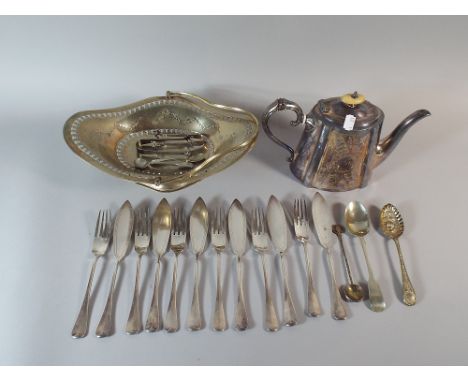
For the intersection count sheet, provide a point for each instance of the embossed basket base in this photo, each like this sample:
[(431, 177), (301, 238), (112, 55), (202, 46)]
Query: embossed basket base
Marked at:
[(165, 143)]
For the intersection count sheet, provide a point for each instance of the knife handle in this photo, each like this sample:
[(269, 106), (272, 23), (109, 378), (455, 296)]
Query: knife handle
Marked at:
[(195, 321), (241, 312), (153, 322), (106, 324), (289, 311)]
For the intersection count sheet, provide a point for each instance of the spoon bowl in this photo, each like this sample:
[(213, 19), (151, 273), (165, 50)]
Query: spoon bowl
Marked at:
[(352, 292), (357, 219), (391, 222)]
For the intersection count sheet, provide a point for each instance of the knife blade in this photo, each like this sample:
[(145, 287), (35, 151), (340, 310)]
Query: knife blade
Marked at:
[(161, 227), (323, 221), (123, 228), (277, 224), (237, 225)]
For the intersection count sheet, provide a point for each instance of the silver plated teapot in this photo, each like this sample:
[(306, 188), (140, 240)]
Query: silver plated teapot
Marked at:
[(340, 144)]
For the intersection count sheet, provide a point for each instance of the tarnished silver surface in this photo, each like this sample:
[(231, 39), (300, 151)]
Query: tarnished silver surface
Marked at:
[(351, 291), (392, 226), (323, 222), (302, 229), (278, 227), (178, 242), (161, 230), (260, 243), (219, 241), (165, 143), (123, 228), (237, 225), (102, 236), (330, 157), (357, 221), (142, 241), (198, 226)]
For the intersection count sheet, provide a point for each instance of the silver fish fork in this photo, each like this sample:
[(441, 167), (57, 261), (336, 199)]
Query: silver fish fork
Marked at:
[(177, 245), (102, 236), (260, 243), (142, 241), (302, 229), (218, 240)]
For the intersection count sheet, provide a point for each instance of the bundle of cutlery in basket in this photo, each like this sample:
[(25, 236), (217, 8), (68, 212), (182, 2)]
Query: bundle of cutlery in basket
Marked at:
[(167, 230)]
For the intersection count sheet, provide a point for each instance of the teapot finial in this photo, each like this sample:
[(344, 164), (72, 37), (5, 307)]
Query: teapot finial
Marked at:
[(353, 99)]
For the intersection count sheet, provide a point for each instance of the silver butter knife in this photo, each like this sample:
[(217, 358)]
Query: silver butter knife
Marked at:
[(161, 231), (123, 228), (237, 225), (198, 226), (278, 227), (323, 221)]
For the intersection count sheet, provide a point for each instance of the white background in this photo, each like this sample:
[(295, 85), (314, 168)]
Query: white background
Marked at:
[(52, 67)]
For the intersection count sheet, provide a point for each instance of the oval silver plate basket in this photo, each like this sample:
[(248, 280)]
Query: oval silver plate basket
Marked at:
[(165, 143)]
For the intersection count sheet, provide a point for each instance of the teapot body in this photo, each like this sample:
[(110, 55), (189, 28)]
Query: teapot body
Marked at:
[(331, 158)]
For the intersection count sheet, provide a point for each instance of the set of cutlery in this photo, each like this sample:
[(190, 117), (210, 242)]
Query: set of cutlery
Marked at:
[(167, 230)]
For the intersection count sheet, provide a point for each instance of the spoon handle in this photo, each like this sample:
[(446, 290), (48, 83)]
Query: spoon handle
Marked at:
[(289, 310), (241, 312), (219, 321), (348, 270), (376, 300), (409, 294), (313, 303), (339, 309)]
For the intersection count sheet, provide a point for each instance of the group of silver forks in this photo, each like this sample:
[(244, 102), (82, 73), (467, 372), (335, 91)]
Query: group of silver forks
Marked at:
[(142, 230)]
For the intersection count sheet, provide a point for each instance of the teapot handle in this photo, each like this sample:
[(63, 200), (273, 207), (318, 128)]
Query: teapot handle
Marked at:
[(279, 105)]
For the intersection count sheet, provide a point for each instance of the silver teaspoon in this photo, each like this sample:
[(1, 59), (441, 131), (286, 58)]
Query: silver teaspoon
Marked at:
[(357, 222), (391, 224)]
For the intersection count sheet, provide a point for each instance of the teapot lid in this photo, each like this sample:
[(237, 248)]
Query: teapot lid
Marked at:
[(338, 111)]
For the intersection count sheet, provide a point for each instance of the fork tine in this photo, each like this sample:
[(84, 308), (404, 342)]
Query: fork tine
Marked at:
[(254, 221), (181, 221), (108, 224), (148, 221), (98, 222), (262, 214), (305, 211)]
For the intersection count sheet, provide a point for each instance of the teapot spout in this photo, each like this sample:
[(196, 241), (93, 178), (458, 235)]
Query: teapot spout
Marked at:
[(386, 146)]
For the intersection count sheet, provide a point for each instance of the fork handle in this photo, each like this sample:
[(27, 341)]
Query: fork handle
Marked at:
[(80, 329), (106, 324), (134, 324), (241, 312), (219, 321), (171, 323), (153, 322), (313, 303)]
